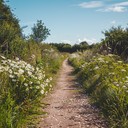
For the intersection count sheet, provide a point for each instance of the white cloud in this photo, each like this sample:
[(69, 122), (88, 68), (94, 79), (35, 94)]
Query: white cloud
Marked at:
[(92, 4), (89, 41), (116, 9), (66, 41), (113, 22), (122, 4)]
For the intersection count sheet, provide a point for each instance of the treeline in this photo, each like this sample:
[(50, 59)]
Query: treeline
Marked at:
[(62, 47)]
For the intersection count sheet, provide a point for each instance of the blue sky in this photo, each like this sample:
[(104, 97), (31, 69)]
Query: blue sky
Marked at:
[(72, 21)]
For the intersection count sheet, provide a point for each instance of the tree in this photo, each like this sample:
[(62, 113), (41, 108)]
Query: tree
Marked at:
[(116, 38), (39, 31), (9, 27)]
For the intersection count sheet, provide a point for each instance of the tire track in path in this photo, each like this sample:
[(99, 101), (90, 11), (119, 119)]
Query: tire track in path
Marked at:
[(68, 108)]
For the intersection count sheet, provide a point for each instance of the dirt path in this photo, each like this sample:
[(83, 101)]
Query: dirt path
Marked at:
[(67, 107)]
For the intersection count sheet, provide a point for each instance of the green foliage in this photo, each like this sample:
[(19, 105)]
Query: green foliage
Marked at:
[(9, 28), (62, 47), (116, 38), (105, 79), (39, 32)]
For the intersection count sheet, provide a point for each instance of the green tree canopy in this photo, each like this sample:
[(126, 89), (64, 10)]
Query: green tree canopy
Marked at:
[(117, 39), (39, 32), (9, 27)]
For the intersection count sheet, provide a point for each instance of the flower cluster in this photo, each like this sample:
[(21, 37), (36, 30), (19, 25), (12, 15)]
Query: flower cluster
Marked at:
[(25, 76)]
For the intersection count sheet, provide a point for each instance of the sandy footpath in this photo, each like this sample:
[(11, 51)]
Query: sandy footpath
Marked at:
[(68, 107)]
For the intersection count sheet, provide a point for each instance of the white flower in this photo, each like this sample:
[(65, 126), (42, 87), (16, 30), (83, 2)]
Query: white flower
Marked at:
[(42, 91), (119, 61), (21, 71), (123, 70), (2, 57), (124, 87), (17, 59), (14, 80), (11, 76), (37, 68), (96, 68), (50, 78), (42, 85), (26, 84), (101, 59), (47, 80), (10, 71), (9, 60), (30, 82), (33, 56), (29, 73), (40, 77)]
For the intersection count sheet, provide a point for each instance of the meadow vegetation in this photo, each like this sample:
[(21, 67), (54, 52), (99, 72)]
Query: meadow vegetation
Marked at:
[(105, 79)]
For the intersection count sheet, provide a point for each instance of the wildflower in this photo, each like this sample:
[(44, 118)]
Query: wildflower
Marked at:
[(47, 80), (50, 78), (127, 91), (117, 85), (110, 55), (30, 82), (37, 68), (119, 61), (33, 56), (2, 57), (42, 91), (40, 77), (101, 59), (124, 87), (11, 76), (96, 68), (42, 85), (17, 59), (10, 71), (21, 71), (123, 70), (112, 73), (29, 73), (26, 84), (9, 60), (14, 80)]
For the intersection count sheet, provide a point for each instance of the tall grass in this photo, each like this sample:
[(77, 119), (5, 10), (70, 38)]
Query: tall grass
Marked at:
[(105, 79)]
